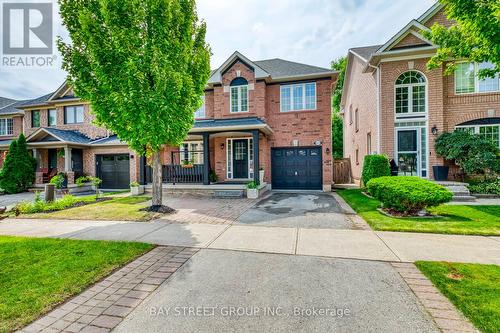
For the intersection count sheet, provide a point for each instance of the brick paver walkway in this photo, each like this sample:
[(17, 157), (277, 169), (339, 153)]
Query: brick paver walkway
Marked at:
[(104, 305), (444, 313), (195, 209)]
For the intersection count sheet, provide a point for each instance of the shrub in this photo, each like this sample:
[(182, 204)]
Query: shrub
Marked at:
[(408, 194), (375, 166), (252, 185), (471, 152), (39, 205), (80, 181), (486, 187), (18, 172), (58, 180), (134, 184)]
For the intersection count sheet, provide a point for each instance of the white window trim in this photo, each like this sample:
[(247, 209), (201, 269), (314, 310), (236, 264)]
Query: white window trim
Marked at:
[(190, 153), (229, 158), (303, 97), (476, 82), (6, 127), (48, 117), (239, 99), (410, 86), (476, 128)]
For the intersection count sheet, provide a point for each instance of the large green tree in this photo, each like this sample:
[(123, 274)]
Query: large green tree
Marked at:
[(476, 36), (337, 121), (142, 64)]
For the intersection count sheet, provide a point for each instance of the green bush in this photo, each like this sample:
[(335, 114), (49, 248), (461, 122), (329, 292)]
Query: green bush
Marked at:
[(486, 187), (80, 181), (39, 206), (375, 166), (18, 172), (408, 194), (58, 180)]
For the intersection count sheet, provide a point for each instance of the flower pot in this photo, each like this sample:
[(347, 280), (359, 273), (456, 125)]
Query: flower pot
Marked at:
[(440, 172), (252, 193), (137, 190), (187, 165), (261, 176)]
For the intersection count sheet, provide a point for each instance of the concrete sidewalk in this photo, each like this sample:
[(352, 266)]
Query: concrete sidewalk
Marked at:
[(352, 244)]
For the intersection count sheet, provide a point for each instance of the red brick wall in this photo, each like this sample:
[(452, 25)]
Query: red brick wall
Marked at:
[(439, 18), (86, 128)]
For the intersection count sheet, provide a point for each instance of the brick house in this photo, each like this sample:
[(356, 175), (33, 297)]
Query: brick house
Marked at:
[(392, 104), (271, 116)]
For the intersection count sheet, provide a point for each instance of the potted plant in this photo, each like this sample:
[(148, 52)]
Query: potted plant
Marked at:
[(252, 190), (261, 175), (136, 188), (440, 172), (187, 164)]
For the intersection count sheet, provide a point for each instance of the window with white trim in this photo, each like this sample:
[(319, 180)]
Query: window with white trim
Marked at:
[(200, 113), (297, 97), (410, 93), (238, 95), (6, 126), (489, 132), (73, 114), (467, 80), (191, 152), (52, 117)]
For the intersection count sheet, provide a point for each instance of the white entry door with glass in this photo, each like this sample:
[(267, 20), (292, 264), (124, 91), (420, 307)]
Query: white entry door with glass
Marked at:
[(411, 152)]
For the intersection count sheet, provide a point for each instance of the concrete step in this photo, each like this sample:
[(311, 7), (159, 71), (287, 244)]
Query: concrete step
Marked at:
[(460, 190), (464, 198), (229, 193)]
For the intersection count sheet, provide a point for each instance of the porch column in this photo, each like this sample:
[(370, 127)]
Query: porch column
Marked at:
[(206, 159), (67, 159), (142, 170), (35, 156), (255, 143)]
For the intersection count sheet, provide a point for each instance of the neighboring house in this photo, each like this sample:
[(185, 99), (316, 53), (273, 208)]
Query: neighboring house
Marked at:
[(273, 115), (392, 104), (11, 123)]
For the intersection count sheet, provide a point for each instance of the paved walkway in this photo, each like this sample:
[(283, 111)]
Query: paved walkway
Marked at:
[(355, 244)]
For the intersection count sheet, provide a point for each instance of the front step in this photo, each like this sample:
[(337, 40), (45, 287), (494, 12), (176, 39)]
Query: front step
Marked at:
[(460, 191), (229, 193)]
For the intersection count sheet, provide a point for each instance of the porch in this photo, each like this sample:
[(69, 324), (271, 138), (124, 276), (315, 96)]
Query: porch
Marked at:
[(217, 155)]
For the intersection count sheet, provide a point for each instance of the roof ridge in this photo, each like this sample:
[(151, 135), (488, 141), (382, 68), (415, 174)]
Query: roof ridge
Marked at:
[(295, 62)]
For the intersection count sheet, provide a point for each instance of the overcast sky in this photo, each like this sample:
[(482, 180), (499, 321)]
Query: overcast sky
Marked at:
[(308, 31)]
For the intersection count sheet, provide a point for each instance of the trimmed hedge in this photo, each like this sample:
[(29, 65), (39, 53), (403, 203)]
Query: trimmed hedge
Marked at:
[(375, 166), (408, 194), (486, 187)]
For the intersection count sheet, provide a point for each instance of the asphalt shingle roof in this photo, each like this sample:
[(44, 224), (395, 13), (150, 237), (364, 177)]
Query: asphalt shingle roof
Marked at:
[(282, 68), (11, 108), (228, 122), (366, 51), (111, 140), (37, 101), (5, 101), (69, 135)]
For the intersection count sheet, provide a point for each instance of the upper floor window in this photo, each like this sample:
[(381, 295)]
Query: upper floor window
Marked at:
[(467, 80), (73, 114), (200, 113), (410, 93), (356, 120), (239, 95), (297, 97), (6, 126), (52, 117), (35, 118)]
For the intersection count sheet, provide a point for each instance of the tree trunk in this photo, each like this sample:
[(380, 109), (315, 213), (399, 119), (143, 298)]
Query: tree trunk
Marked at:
[(157, 179)]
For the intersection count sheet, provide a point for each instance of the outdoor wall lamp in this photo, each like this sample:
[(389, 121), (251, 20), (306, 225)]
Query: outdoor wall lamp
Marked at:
[(221, 146), (434, 130), (328, 151)]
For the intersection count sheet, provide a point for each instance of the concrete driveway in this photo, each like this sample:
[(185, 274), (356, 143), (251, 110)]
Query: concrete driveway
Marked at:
[(10, 200), (256, 292), (298, 210)]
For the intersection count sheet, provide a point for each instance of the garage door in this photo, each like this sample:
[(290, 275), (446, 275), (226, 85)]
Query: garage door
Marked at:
[(296, 168), (114, 170)]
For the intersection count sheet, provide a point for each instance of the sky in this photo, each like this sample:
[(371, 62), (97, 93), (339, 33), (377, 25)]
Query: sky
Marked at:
[(308, 31)]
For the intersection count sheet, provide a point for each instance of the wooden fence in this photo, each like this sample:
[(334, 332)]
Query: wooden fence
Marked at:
[(342, 171)]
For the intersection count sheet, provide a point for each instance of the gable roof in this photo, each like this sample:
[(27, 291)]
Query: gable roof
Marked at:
[(365, 52), (58, 135), (42, 100), (408, 29), (271, 69), (11, 108)]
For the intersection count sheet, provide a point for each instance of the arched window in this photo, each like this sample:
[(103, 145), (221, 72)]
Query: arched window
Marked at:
[(411, 93), (239, 95)]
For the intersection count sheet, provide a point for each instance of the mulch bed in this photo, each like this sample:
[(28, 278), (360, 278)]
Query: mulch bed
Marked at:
[(162, 209)]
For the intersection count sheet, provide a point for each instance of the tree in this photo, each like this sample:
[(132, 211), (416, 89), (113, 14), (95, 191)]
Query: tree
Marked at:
[(337, 121), (143, 65), (476, 36), (471, 152), (18, 172)]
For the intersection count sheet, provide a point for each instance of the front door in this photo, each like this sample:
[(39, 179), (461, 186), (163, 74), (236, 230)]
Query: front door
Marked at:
[(77, 162), (408, 152), (240, 159), (52, 159)]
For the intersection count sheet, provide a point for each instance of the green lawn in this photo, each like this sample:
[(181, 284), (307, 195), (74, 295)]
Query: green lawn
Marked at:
[(462, 219), (473, 288), (120, 208), (36, 273)]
